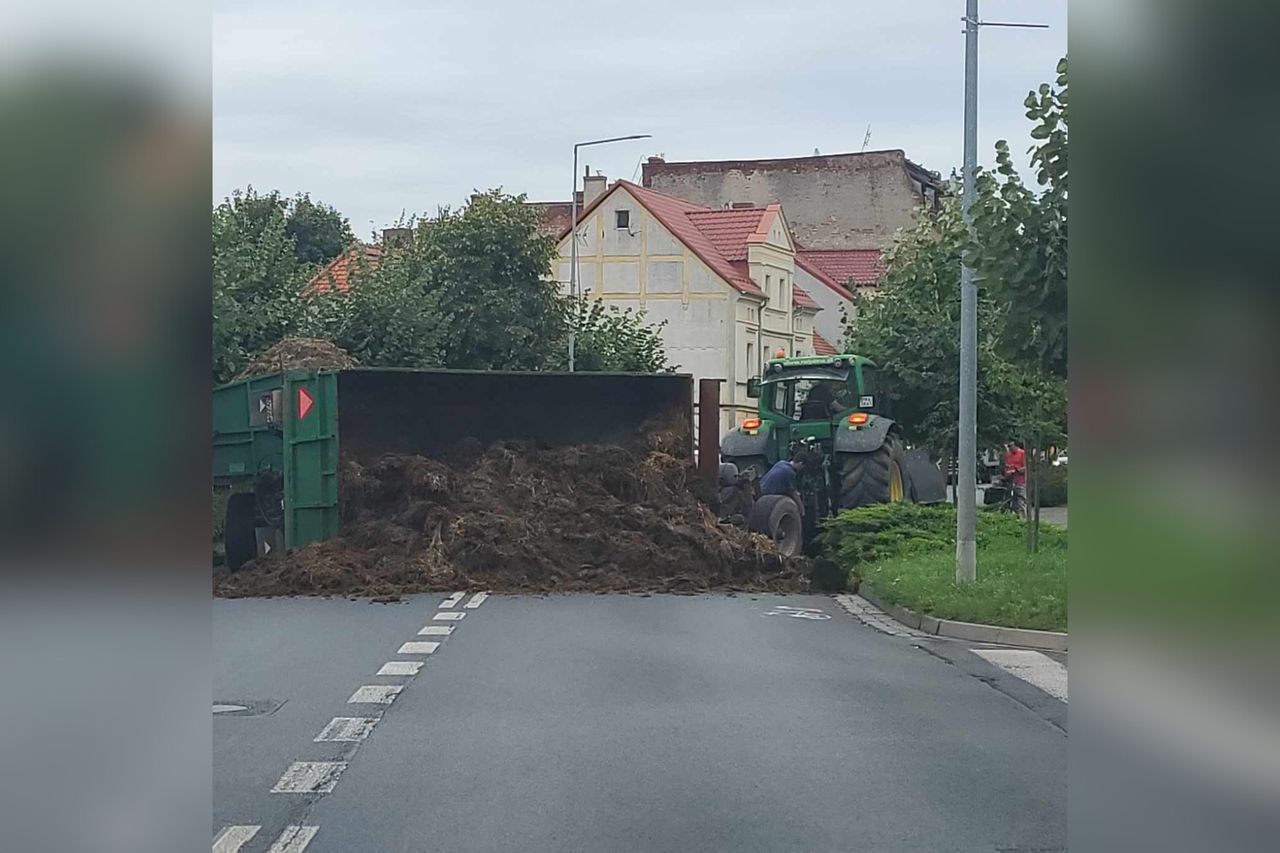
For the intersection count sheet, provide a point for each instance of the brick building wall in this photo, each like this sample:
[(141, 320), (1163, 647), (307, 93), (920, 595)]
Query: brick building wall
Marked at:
[(838, 201)]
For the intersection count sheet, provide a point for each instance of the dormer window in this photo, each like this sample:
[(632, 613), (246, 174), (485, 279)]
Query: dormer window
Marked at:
[(623, 218)]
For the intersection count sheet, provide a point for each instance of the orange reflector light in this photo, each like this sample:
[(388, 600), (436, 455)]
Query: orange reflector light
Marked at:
[(751, 423), (859, 418)]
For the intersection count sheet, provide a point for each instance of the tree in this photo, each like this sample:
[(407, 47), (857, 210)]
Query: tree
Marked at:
[(609, 339), (911, 328), (1020, 250), (320, 233), (256, 278), (1020, 256)]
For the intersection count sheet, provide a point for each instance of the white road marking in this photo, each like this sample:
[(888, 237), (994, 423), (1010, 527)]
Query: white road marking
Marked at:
[(346, 730), (310, 777), (436, 631), (294, 839), (400, 667), (798, 613), (232, 838), (1032, 667), (375, 694), (448, 617), (452, 600), (228, 709), (425, 647), (476, 600)]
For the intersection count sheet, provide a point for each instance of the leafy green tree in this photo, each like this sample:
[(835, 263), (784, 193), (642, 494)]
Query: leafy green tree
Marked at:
[(1020, 247), (320, 233), (256, 278), (609, 339), (911, 327)]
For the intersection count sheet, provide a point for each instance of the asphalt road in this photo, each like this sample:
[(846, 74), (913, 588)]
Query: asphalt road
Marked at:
[(624, 723)]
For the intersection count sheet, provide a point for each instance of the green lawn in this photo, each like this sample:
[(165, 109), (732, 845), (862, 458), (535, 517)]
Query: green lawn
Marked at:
[(1013, 588), (906, 553)]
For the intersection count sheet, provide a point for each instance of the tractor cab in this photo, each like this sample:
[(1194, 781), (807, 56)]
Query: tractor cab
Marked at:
[(808, 399)]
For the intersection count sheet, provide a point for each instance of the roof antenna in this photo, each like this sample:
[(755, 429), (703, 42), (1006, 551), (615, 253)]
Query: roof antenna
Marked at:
[(866, 138)]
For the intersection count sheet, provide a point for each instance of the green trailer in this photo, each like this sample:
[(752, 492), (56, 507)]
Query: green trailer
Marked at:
[(277, 439)]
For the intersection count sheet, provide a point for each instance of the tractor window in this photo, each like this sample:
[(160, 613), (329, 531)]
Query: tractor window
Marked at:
[(810, 399), (873, 397)]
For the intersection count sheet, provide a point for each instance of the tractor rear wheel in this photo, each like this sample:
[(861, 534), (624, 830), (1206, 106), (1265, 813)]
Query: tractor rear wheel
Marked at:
[(874, 478), (778, 517)]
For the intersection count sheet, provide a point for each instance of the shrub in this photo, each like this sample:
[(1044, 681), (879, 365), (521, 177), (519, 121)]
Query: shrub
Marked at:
[(1053, 485), (877, 532)]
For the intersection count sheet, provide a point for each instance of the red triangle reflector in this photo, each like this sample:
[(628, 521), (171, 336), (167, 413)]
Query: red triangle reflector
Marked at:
[(305, 402)]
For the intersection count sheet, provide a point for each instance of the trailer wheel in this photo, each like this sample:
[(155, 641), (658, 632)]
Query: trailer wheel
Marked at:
[(778, 517), (874, 478), (240, 538)]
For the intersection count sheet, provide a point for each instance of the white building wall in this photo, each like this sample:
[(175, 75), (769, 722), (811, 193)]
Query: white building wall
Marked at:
[(837, 314)]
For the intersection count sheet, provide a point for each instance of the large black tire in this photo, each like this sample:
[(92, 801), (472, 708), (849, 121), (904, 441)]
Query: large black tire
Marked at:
[(240, 538), (735, 496), (778, 517), (874, 478)]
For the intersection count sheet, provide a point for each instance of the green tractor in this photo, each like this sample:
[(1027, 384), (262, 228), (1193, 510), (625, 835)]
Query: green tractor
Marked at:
[(832, 408)]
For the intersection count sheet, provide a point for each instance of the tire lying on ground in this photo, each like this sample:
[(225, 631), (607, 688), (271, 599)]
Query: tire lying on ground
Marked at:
[(240, 537), (874, 478), (778, 517)]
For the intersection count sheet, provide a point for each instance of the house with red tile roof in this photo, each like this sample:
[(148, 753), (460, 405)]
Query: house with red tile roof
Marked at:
[(335, 276), (726, 284)]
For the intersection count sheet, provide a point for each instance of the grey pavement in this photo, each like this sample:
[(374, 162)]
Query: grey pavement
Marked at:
[(628, 723)]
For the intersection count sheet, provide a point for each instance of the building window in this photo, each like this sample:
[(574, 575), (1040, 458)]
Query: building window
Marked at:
[(623, 218), (768, 287), (751, 359)]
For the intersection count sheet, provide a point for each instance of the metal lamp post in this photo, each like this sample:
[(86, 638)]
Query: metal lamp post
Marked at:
[(966, 473), (573, 230)]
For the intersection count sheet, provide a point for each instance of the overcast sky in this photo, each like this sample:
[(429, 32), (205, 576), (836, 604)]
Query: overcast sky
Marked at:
[(384, 107)]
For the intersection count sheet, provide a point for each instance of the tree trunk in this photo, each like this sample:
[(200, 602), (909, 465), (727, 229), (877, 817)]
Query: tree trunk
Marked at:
[(1032, 495)]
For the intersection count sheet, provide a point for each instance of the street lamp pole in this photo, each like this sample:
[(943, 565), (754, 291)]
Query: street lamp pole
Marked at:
[(573, 232), (966, 474)]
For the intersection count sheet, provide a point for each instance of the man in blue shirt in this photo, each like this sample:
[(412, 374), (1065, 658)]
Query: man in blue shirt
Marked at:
[(782, 479)]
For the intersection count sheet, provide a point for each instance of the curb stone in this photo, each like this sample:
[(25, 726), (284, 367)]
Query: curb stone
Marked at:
[(1053, 641)]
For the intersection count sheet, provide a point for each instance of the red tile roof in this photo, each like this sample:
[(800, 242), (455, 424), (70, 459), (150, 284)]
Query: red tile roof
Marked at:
[(822, 346), (802, 299), (861, 266), (555, 216), (719, 237), (336, 275)]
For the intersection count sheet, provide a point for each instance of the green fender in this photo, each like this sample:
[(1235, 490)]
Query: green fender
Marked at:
[(738, 443), (866, 438)]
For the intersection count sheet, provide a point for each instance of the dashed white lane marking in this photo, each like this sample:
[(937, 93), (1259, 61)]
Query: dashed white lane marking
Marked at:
[(436, 631), (400, 667), (232, 838), (375, 694), (448, 616), (1032, 667), (310, 777), (870, 615), (346, 730), (294, 839), (476, 600), (452, 600), (425, 647)]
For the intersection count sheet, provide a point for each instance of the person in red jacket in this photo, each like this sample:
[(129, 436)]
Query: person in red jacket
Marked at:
[(1015, 472)]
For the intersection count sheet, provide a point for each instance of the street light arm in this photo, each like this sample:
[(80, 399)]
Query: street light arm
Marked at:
[(612, 139)]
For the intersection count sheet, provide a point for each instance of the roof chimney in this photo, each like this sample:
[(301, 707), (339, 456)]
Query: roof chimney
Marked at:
[(393, 237), (656, 160), (593, 186)]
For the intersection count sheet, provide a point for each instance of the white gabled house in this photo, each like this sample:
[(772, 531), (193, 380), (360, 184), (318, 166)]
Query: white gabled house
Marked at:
[(728, 283)]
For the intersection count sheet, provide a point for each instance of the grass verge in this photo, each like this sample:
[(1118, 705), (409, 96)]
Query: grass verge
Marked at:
[(906, 553)]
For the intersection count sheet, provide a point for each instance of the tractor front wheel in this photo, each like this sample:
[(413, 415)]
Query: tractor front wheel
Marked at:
[(874, 478)]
